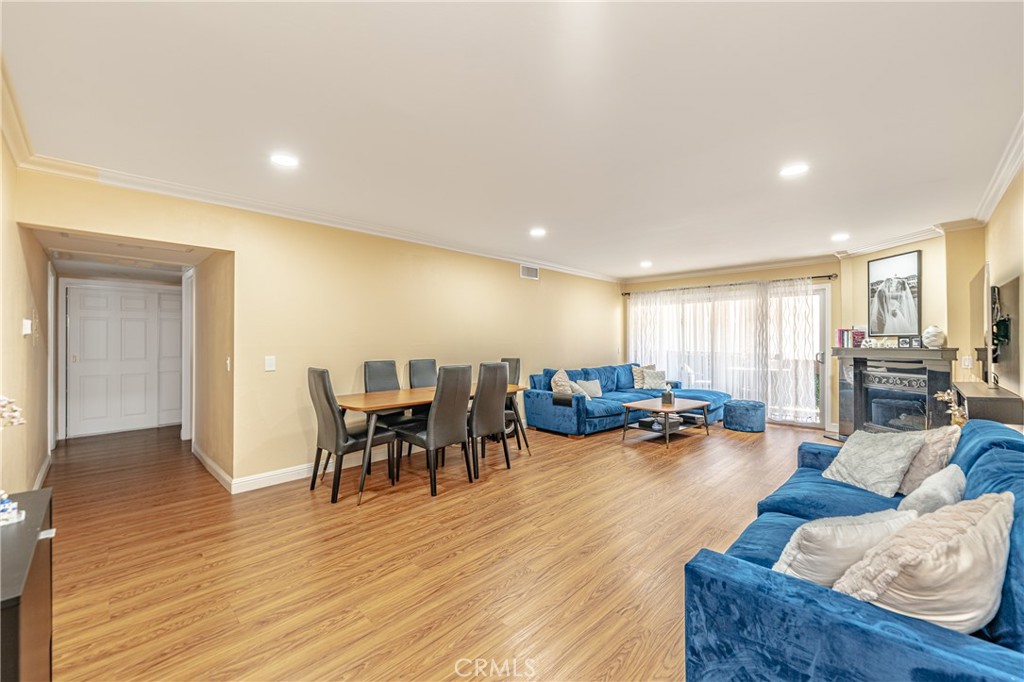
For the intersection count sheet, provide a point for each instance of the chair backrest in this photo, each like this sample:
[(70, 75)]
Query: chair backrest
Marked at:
[(446, 422), (488, 414), (513, 369), (331, 434), (422, 373), (380, 375)]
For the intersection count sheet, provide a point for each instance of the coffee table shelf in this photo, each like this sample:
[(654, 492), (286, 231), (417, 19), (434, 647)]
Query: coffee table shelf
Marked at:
[(669, 419)]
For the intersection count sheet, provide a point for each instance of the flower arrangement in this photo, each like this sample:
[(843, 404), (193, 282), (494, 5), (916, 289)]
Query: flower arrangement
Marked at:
[(10, 413), (957, 414)]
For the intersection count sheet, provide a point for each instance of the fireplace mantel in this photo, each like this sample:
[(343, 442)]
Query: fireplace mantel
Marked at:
[(892, 389)]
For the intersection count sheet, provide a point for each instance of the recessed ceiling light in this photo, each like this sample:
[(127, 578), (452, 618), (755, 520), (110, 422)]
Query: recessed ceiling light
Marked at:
[(794, 169), (840, 237), (284, 160), (646, 263), (537, 232)]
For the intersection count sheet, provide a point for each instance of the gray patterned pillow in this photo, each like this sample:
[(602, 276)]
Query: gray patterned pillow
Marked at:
[(638, 375), (592, 389), (875, 461)]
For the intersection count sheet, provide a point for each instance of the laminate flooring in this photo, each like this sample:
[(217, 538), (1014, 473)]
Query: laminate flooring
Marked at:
[(569, 566)]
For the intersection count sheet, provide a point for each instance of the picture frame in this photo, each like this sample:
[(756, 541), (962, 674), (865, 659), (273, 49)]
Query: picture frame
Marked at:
[(905, 342), (915, 342), (894, 296)]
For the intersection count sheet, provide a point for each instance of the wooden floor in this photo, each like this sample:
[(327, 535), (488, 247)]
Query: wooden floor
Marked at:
[(569, 566)]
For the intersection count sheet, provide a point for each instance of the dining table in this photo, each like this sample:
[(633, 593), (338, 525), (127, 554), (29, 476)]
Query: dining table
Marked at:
[(373, 404)]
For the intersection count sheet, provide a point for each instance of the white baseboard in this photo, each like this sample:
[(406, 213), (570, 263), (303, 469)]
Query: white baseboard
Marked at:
[(268, 478), (44, 468)]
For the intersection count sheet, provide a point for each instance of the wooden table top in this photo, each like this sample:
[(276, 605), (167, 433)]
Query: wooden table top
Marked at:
[(402, 398), (655, 405)]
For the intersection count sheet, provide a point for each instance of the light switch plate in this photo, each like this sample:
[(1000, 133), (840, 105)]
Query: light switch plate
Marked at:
[(26, 327), (967, 362), (269, 363)]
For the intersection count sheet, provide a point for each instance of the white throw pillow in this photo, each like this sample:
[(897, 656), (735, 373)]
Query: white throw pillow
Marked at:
[(560, 382), (576, 388), (822, 550), (938, 490), (592, 389), (638, 375), (875, 461), (946, 567), (935, 454), (654, 378)]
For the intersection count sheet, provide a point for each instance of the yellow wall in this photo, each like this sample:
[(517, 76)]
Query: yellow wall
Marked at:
[(23, 272), (965, 258), (213, 432), (826, 268), (315, 295), (1004, 246)]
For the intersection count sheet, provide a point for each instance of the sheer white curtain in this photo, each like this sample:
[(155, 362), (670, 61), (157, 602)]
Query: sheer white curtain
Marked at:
[(754, 340)]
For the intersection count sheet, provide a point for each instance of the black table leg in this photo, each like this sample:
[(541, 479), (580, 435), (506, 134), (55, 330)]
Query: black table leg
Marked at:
[(519, 423), (625, 423), (706, 431), (371, 426)]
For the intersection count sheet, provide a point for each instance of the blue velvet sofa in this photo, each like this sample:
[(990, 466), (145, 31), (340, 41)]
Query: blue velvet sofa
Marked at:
[(607, 412), (745, 621)]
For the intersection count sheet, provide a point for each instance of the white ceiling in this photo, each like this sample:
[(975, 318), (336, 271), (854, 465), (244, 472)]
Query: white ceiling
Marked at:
[(630, 131)]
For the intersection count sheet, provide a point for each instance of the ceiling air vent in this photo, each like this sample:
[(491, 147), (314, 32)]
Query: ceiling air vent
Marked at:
[(529, 272)]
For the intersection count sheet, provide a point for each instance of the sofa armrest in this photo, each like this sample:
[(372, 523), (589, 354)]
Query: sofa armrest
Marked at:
[(745, 621), (816, 455), (675, 384), (543, 413)]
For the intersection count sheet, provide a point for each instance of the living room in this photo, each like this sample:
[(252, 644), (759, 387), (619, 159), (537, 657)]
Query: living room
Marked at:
[(634, 149)]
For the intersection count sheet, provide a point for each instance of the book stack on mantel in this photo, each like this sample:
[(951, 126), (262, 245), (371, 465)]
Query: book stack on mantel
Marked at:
[(849, 337)]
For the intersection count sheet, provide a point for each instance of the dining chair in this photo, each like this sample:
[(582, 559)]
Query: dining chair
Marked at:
[(422, 374), (335, 437), (446, 421), (510, 404), (382, 375), (487, 416)]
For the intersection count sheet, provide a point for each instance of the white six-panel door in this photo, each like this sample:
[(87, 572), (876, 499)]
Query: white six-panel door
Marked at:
[(123, 359)]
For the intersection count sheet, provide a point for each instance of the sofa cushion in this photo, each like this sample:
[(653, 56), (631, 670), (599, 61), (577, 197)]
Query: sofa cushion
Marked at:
[(999, 471), (601, 407), (939, 445), (591, 389), (942, 488), (607, 375), (624, 377), (763, 540), (716, 398), (626, 396), (875, 461), (978, 436), (545, 385), (809, 495)]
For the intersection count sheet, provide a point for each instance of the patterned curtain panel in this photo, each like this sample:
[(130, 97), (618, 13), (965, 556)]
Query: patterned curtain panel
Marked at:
[(754, 340)]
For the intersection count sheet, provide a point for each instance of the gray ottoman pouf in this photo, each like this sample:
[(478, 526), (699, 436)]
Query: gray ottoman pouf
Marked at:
[(744, 415)]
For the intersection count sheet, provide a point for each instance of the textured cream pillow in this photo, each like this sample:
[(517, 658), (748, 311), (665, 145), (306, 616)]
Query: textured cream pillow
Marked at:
[(935, 454), (654, 378), (938, 490), (638, 375), (576, 388), (592, 389), (822, 550), (560, 382), (946, 567), (875, 461)]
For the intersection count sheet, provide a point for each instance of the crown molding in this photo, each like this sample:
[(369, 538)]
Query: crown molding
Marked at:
[(750, 267), (919, 236), (11, 121), (959, 225), (145, 184), (1006, 170)]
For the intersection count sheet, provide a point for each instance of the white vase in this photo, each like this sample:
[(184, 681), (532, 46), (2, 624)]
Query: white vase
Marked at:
[(933, 337)]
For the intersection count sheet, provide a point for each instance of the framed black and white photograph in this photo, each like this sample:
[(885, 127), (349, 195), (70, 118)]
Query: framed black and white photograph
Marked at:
[(905, 342), (894, 295), (915, 342)]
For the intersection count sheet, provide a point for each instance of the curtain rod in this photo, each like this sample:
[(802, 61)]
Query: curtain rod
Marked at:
[(829, 276)]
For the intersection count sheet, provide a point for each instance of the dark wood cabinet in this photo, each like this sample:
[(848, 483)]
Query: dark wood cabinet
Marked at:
[(983, 402), (26, 592)]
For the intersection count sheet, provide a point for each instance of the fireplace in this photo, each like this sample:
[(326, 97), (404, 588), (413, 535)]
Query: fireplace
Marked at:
[(892, 389)]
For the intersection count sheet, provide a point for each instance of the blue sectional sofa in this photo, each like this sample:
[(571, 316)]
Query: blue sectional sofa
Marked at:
[(607, 412), (745, 621)]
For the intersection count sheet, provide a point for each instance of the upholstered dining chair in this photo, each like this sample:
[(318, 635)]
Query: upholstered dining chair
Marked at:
[(446, 421), (422, 374), (487, 416), (333, 436), (510, 415)]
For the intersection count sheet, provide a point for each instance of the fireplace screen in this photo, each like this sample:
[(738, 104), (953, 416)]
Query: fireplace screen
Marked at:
[(896, 401)]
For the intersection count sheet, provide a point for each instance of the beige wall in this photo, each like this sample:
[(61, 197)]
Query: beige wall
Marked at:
[(965, 259), (23, 272), (826, 268), (315, 295), (1004, 246), (213, 430)]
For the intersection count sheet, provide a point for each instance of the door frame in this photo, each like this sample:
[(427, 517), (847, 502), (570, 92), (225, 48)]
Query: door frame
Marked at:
[(62, 322), (51, 357), (187, 340), (826, 326)]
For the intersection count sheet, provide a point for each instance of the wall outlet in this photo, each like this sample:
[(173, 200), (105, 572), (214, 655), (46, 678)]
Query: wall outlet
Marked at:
[(26, 327), (269, 363), (967, 362), (227, 362)]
